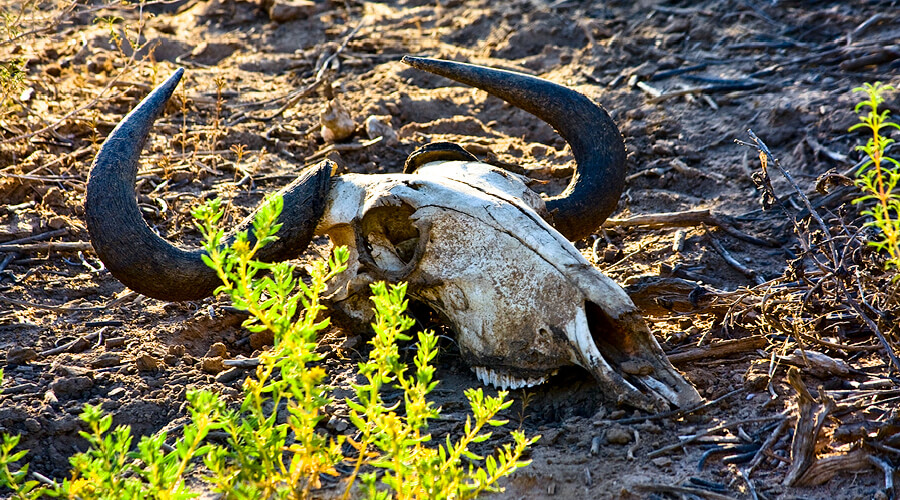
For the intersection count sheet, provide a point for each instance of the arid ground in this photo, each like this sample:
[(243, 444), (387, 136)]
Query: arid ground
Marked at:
[(682, 80)]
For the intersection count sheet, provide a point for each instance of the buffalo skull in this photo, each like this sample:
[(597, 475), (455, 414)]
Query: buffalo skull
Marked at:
[(474, 242)]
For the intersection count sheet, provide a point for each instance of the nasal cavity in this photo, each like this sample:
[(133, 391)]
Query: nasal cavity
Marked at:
[(609, 337)]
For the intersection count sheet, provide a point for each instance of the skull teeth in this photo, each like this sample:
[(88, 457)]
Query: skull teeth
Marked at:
[(504, 381)]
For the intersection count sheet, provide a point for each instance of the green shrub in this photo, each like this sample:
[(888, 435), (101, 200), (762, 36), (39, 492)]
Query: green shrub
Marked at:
[(879, 175), (272, 445)]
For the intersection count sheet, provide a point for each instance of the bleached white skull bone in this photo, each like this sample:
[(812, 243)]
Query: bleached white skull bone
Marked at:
[(522, 300), (473, 241)]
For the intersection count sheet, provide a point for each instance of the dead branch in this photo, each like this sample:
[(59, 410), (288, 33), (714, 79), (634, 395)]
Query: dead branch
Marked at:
[(58, 246), (684, 490), (720, 349), (687, 218), (811, 416)]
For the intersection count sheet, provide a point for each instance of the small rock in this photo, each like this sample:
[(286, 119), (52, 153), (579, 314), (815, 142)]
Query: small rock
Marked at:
[(229, 375), (106, 360), (649, 427), (54, 197), (57, 222), (71, 386), (50, 398), (617, 414), (611, 254), (618, 434), (338, 425), (212, 365), (171, 359), (20, 355), (118, 391), (595, 445), (662, 461), (217, 350), (176, 350), (32, 425), (538, 150), (337, 124), (282, 11), (379, 126), (551, 436), (146, 363)]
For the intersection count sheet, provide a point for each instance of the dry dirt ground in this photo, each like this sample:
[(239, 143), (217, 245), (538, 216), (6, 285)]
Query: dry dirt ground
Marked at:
[(255, 79)]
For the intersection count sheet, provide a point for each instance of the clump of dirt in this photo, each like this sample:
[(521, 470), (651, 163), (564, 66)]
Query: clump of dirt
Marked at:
[(681, 80)]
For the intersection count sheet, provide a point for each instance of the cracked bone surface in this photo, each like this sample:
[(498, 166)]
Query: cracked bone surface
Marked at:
[(473, 242), (470, 241)]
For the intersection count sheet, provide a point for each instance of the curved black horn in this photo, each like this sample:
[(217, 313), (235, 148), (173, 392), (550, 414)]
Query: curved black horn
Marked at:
[(150, 265), (596, 143)]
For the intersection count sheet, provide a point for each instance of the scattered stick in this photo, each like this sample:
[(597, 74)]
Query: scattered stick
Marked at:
[(684, 490), (342, 148), (49, 307), (7, 258), (77, 345), (888, 471), (633, 448), (719, 428), (683, 168), (653, 92), (320, 75), (242, 363), (686, 218), (725, 87), (746, 271), (811, 416), (38, 237), (767, 445), (676, 413), (720, 349), (58, 246)]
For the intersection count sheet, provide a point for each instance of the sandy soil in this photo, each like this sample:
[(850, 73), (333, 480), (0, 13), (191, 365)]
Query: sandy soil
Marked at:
[(782, 69)]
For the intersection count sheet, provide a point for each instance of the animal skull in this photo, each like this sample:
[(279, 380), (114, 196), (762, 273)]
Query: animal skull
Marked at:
[(474, 242)]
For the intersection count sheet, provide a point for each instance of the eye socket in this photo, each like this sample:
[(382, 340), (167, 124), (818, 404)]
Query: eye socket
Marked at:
[(392, 224)]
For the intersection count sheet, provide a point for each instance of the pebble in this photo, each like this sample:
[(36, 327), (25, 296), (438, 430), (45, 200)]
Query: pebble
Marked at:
[(106, 360), (212, 365), (146, 363), (661, 461), (217, 350), (71, 386), (618, 434), (282, 11), (378, 126), (32, 425), (595, 445), (338, 425), (20, 355)]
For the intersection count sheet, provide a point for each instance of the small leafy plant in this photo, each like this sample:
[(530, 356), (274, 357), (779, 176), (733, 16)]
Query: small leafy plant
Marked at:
[(880, 174), (272, 446)]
